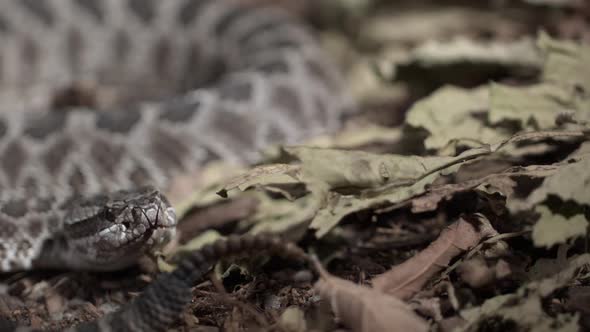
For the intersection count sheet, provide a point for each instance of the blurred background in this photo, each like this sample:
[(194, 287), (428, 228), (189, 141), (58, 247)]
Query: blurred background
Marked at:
[(396, 52)]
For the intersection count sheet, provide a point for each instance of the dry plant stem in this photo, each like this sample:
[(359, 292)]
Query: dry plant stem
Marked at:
[(541, 134), (486, 150)]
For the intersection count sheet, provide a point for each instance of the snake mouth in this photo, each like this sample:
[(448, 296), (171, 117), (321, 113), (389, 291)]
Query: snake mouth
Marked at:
[(130, 245), (151, 232), (133, 245), (151, 237)]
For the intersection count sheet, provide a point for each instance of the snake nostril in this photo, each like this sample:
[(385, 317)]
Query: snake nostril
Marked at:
[(126, 224)]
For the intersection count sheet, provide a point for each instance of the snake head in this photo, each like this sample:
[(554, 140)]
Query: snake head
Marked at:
[(107, 232)]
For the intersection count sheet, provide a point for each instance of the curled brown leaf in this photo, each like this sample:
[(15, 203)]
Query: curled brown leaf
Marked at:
[(407, 278), (364, 309)]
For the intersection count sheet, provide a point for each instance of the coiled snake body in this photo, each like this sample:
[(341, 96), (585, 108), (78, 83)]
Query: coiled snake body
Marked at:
[(69, 168), (100, 113)]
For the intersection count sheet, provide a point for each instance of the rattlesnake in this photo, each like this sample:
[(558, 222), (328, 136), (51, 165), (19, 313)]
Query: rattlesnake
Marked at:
[(100, 98)]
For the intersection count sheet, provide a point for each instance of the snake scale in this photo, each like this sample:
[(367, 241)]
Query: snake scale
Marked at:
[(104, 104)]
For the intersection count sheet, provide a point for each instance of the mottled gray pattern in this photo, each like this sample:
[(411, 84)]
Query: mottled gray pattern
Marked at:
[(102, 96), (137, 62)]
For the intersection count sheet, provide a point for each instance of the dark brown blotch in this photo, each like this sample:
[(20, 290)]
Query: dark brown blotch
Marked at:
[(35, 227), (143, 9), (93, 8), (121, 45), (235, 90), (30, 53), (97, 200), (288, 100), (30, 185), (200, 67), (207, 156), (13, 265), (3, 128), (274, 66), (239, 128), (7, 228), (40, 9), (118, 121), (43, 204), (77, 181), (140, 176), (321, 110), (190, 10), (271, 25), (53, 223), (275, 134), (4, 25), (24, 245), (229, 17), (106, 156), (13, 160), (162, 54), (179, 111), (190, 66), (168, 151), (15, 208), (50, 123), (320, 74), (56, 155), (74, 48), (279, 43), (74, 96)]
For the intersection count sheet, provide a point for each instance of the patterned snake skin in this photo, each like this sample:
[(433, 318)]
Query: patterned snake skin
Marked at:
[(100, 97), (104, 104)]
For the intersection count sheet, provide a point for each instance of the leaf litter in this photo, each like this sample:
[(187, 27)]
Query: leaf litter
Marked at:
[(518, 124), (327, 190)]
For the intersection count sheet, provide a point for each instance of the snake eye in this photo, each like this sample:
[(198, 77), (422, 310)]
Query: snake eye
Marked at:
[(109, 215)]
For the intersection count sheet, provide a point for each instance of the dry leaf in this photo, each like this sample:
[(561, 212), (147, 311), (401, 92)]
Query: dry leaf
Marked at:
[(265, 174), (525, 308), (354, 137), (552, 229), (407, 278), (541, 103), (408, 177), (491, 183), (367, 310), (293, 320), (450, 114), (569, 183), (520, 53), (566, 62), (476, 272)]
